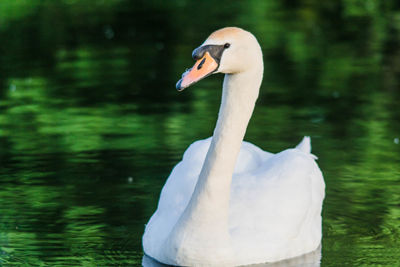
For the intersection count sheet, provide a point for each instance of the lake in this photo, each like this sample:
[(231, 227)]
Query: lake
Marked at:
[(91, 123)]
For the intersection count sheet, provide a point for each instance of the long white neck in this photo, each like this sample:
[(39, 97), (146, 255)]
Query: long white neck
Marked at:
[(205, 220), (240, 92)]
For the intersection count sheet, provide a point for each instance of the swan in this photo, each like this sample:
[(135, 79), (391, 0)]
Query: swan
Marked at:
[(229, 203)]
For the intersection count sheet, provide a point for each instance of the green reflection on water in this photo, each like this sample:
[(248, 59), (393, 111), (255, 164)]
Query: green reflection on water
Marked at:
[(90, 123)]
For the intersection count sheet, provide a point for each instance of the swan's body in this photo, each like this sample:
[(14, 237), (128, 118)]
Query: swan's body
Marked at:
[(229, 203)]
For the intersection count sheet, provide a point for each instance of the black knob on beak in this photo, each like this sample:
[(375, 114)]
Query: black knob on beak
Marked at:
[(215, 52), (198, 53)]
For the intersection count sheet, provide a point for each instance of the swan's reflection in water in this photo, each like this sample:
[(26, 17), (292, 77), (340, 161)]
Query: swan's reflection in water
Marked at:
[(312, 259)]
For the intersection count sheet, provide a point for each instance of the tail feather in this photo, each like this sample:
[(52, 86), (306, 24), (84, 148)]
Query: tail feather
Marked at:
[(305, 145)]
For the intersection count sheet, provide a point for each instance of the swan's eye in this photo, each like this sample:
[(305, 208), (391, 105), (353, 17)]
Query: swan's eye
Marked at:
[(227, 45)]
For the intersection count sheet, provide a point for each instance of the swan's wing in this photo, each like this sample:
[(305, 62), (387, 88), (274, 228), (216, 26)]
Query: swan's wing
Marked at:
[(278, 206)]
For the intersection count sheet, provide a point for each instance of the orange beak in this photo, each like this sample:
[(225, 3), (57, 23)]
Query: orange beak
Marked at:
[(201, 69)]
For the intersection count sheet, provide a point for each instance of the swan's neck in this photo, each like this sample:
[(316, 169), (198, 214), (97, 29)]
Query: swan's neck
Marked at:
[(205, 220), (240, 92)]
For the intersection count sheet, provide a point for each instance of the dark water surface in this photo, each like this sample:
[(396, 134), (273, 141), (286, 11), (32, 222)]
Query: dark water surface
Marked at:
[(91, 123)]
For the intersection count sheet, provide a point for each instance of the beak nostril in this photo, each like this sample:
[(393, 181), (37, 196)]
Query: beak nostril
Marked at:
[(201, 64)]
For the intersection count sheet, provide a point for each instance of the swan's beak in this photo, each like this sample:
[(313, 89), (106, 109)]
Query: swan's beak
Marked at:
[(201, 69)]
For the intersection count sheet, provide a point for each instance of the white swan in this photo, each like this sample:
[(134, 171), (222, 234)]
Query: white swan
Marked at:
[(229, 203)]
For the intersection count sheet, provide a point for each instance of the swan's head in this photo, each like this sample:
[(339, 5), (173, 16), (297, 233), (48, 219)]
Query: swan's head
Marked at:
[(228, 50)]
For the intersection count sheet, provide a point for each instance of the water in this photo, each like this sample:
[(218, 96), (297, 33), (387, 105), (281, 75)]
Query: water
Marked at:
[(91, 124)]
